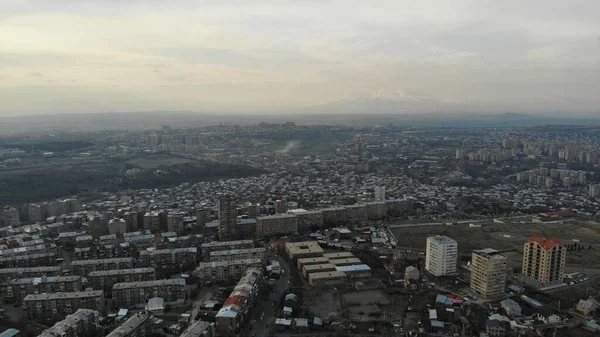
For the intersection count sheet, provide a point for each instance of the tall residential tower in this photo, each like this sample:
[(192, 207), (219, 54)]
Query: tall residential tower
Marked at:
[(441, 255)]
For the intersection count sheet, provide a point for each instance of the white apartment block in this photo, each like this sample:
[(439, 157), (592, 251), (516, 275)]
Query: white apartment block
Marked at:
[(441, 255), (274, 225)]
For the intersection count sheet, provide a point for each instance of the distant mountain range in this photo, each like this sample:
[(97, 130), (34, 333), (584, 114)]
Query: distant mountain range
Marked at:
[(378, 108)]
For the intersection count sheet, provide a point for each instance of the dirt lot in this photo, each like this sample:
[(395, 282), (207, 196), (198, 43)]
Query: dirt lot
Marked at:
[(158, 160), (324, 303), (473, 238)]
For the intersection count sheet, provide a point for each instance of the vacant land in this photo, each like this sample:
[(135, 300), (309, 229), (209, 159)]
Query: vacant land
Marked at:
[(323, 303), (485, 237), (157, 160)]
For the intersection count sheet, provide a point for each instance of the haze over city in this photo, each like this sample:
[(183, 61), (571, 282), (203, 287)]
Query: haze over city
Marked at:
[(291, 57)]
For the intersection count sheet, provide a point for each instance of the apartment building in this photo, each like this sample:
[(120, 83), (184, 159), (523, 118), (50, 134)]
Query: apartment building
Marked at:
[(543, 261), (169, 261), (137, 325), (307, 219), (152, 221), (488, 273), (227, 212), (241, 300), (200, 329), (441, 254), (274, 225), (209, 247), (84, 267), (117, 226), (175, 222), (7, 274), (29, 260), (238, 254), (356, 212), (82, 322), (132, 220), (55, 306), (117, 250), (223, 271), (334, 216), (17, 289), (106, 279), (137, 294)]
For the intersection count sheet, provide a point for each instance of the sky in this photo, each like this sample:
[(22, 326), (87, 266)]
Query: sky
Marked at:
[(243, 56)]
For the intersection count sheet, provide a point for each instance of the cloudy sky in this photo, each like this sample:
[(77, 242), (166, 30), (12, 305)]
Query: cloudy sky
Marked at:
[(268, 56)]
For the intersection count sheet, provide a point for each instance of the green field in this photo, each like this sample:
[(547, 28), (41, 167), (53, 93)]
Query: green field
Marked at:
[(157, 160)]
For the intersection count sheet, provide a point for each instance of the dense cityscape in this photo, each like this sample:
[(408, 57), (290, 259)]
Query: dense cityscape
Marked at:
[(283, 229)]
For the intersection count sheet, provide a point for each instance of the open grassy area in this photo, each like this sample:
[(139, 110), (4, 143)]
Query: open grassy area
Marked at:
[(473, 238), (157, 160)]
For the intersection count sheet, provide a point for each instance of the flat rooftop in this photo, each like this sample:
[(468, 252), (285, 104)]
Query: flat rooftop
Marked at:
[(327, 275), (121, 272), (307, 247), (352, 260), (240, 262), (146, 284), (102, 261), (58, 296), (340, 255), (311, 268)]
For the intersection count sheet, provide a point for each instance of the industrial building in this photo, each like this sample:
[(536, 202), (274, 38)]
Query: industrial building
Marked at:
[(311, 260), (329, 278), (302, 250)]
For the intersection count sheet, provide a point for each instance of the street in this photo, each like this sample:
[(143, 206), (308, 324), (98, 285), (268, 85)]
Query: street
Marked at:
[(262, 326)]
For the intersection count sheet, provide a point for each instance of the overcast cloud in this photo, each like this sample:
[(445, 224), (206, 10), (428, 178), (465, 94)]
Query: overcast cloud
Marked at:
[(238, 56)]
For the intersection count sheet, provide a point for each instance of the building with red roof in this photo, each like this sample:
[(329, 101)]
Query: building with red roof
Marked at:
[(543, 261)]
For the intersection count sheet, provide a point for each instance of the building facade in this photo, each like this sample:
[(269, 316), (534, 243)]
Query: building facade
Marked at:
[(82, 322), (441, 255), (488, 273), (238, 254), (274, 225), (223, 271), (235, 310), (137, 325), (106, 279), (227, 211), (84, 267), (544, 261), (17, 289), (169, 261), (137, 294), (7, 274), (55, 306)]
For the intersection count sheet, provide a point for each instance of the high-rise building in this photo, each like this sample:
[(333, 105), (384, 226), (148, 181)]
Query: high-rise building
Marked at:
[(379, 193), (594, 190), (460, 153), (441, 254), (227, 217), (175, 222), (544, 261), (488, 273)]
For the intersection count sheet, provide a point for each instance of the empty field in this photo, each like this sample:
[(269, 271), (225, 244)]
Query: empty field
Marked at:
[(487, 237), (158, 160)]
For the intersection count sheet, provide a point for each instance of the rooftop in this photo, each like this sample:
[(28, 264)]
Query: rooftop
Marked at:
[(328, 274), (56, 296), (356, 267), (130, 325), (544, 242), (146, 284), (121, 271), (441, 239)]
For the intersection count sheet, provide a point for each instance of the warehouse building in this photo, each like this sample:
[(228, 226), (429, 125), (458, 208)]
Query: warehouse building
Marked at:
[(317, 268), (328, 278), (302, 250)]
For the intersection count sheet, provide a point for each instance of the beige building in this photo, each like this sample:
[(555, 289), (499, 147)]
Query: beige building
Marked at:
[(340, 255), (274, 225), (55, 306), (327, 278), (224, 270), (544, 261), (303, 250), (137, 294), (317, 268), (488, 273), (345, 262), (311, 260)]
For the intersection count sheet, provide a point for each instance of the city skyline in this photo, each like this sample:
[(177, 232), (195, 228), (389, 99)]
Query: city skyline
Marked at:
[(299, 57)]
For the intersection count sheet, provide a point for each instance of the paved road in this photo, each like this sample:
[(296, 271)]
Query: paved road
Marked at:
[(262, 326)]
